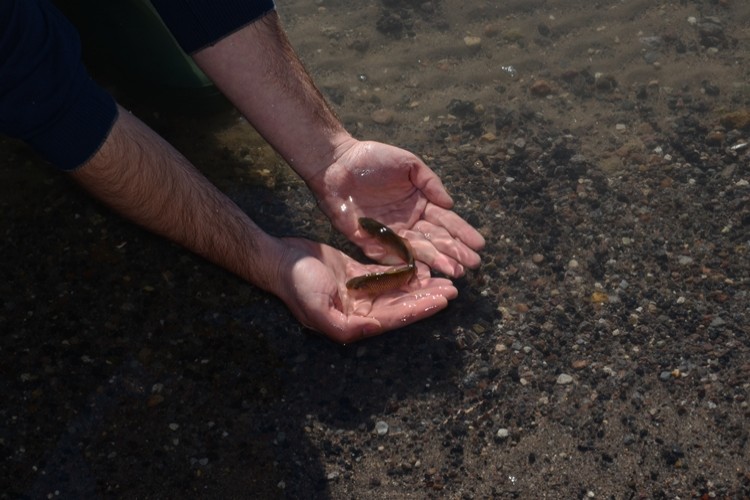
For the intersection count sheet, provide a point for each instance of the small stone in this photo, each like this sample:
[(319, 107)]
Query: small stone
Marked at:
[(684, 260), (564, 379), (513, 35), (537, 258), (579, 364), (599, 297), (715, 138), (522, 308), (381, 428), (541, 88), (717, 322), (606, 83), (502, 433), (382, 116), (666, 182), (473, 42), (491, 30), (738, 120), (154, 400)]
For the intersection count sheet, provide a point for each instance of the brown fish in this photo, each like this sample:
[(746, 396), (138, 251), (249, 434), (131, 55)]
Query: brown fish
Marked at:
[(388, 238), (381, 282)]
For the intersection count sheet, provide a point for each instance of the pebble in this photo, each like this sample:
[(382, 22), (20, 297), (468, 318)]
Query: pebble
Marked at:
[(154, 400), (540, 88), (599, 297), (502, 433), (738, 120), (381, 428), (579, 364), (717, 322), (382, 116), (537, 258), (473, 42), (564, 379)]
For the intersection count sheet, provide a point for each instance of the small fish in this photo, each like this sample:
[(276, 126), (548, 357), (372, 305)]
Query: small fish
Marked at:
[(388, 238), (381, 282)]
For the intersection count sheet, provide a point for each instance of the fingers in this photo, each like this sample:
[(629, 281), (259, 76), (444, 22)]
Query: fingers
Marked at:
[(388, 312), (455, 225), (415, 306), (445, 242), (398, 310)]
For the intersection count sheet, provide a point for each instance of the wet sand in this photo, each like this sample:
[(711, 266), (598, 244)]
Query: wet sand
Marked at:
[(601, 351)]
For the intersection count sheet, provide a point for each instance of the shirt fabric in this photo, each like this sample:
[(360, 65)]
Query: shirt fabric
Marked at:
[(47, 97)]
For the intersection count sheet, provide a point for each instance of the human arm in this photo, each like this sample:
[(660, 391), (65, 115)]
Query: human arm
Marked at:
[(142, 177), (48, 100), (257, 69)]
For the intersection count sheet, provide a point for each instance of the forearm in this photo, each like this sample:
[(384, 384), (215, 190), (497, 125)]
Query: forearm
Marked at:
[(143, 178), (257, 69)]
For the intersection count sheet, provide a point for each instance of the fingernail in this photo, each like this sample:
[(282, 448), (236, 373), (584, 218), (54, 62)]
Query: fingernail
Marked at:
[(458, 270)]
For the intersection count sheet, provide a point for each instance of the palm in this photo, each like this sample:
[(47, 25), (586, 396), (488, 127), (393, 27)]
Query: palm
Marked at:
[(395, 187), (314, 290)]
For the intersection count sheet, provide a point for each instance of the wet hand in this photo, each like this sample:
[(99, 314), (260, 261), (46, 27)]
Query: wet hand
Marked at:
[(312, 283), (396, 188)]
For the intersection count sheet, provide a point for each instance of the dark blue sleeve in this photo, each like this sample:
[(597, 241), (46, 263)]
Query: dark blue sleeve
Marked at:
[(196, 24), (47, 98)]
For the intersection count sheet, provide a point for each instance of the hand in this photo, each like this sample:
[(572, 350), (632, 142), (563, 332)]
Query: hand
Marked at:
[(396, 188), (312, 284)]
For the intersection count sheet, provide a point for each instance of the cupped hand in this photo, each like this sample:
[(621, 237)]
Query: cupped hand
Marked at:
[(312, 283), (396, 188)]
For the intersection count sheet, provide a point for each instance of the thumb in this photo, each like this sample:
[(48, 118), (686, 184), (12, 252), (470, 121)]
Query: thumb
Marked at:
[(430, 184)]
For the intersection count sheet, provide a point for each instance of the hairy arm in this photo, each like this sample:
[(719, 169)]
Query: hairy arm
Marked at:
[(258, 70), (142, 177)]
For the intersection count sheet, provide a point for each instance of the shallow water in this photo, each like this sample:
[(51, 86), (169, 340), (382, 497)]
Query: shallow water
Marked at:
[(600, 351)]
